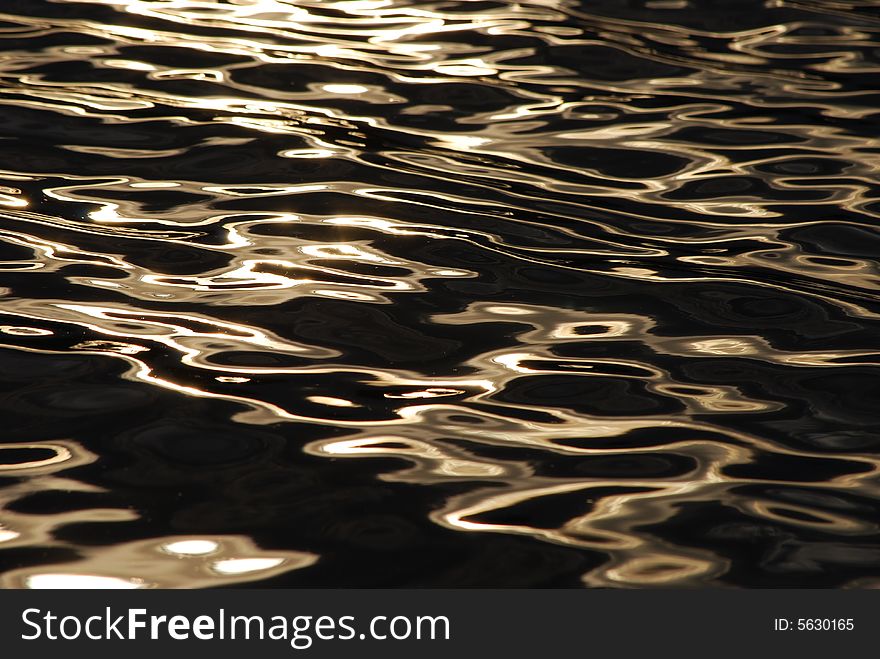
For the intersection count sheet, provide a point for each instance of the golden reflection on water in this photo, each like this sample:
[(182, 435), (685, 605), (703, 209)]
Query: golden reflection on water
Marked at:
[(329, 152), (174, 563)]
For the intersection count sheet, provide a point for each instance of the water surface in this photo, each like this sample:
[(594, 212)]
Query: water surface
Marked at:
[(387, 293)]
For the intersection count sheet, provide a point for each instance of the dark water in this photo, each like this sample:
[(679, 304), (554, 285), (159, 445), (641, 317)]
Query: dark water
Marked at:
[(393, 293)]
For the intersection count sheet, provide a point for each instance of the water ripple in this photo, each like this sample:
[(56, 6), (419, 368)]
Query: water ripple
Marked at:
[(387, 293)]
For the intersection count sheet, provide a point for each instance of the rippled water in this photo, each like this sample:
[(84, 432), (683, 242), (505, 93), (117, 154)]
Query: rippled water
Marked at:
[(388, 293)]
